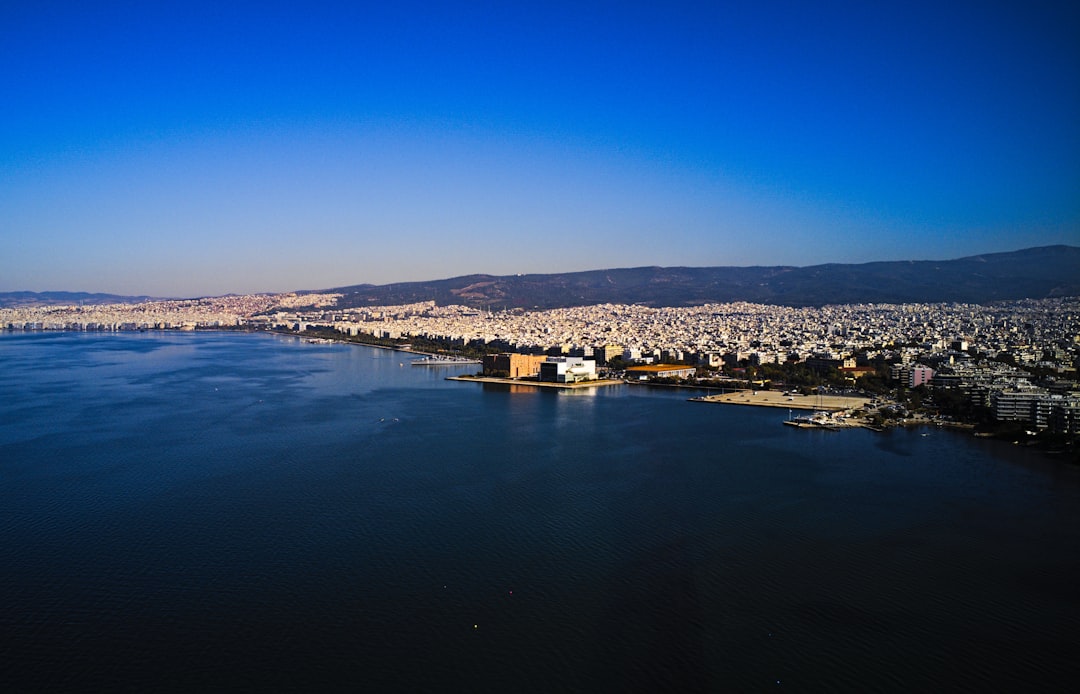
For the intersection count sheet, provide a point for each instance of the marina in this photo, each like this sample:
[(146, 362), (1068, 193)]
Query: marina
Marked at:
[(815, 421)]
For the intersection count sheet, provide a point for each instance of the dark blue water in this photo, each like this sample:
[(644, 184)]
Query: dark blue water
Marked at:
[(245, 512)]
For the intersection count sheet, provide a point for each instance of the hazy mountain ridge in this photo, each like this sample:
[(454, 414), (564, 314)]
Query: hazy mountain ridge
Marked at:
[(29, 299), (1034, 273)]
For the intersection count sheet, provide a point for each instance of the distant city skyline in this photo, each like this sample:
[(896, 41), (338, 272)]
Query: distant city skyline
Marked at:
[(201, 150)]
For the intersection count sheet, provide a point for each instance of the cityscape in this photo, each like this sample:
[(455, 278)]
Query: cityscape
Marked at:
[(1015, 360), (539, 347)]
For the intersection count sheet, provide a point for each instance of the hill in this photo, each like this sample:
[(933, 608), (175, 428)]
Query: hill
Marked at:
[(17, 299), (1047, 271), (1033, 273)]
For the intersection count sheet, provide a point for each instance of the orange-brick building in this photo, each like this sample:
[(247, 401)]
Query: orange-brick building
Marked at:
[(509, 365)]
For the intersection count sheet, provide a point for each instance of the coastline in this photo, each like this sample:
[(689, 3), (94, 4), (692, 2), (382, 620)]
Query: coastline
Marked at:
[(772, 398), (1065, 452), (323, 339), (537, 384)]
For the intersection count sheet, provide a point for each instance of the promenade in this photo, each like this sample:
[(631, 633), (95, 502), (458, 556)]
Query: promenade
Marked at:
[(772, 398), (538, 384)]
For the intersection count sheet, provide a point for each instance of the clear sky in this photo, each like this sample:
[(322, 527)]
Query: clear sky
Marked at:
[(185, 149)]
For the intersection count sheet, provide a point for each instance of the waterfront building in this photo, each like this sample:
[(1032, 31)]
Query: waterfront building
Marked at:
[(567, 370), (1016, 404), (511, 365), (1065, 417), (650, 371)]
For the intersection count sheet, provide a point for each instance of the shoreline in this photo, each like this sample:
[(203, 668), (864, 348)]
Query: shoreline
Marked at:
[(739, 397), (321, 339), (600, 383), (772, 398)]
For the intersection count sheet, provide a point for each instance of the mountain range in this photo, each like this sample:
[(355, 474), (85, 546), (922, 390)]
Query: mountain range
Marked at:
[(1032, 273), (18, 299)]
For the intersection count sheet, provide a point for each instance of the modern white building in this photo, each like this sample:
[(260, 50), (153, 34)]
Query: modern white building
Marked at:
[(567, 370)]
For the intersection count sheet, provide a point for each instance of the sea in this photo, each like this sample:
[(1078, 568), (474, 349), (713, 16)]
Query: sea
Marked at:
[(253, 512)]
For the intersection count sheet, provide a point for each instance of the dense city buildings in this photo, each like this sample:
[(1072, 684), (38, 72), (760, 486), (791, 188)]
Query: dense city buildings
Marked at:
[(182, 314), (1015, 359)]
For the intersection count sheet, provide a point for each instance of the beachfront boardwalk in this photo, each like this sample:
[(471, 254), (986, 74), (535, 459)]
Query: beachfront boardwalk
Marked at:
[(773, 398)]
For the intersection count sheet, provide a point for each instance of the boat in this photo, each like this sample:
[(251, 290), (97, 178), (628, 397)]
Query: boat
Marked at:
[(818, 420)]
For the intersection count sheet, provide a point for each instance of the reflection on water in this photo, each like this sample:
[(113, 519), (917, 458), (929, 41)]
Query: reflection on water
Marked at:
[(546, 391), (243, 511)]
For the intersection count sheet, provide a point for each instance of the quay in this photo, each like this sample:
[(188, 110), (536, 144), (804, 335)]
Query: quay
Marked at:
[(791, 401), (599, 383)]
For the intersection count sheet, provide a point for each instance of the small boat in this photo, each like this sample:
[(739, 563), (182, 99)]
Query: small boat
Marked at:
[(819, 420)]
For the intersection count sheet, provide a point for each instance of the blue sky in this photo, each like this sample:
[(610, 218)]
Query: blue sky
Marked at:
[(198, 149)]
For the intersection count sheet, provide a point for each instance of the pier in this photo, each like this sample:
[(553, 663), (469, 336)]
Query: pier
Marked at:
[(791, 401)]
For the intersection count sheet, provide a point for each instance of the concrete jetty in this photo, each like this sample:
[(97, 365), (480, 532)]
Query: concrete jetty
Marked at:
[(793, 401)]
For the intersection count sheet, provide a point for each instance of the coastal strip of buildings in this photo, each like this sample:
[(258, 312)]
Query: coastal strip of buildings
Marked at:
[(1019, 359)]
